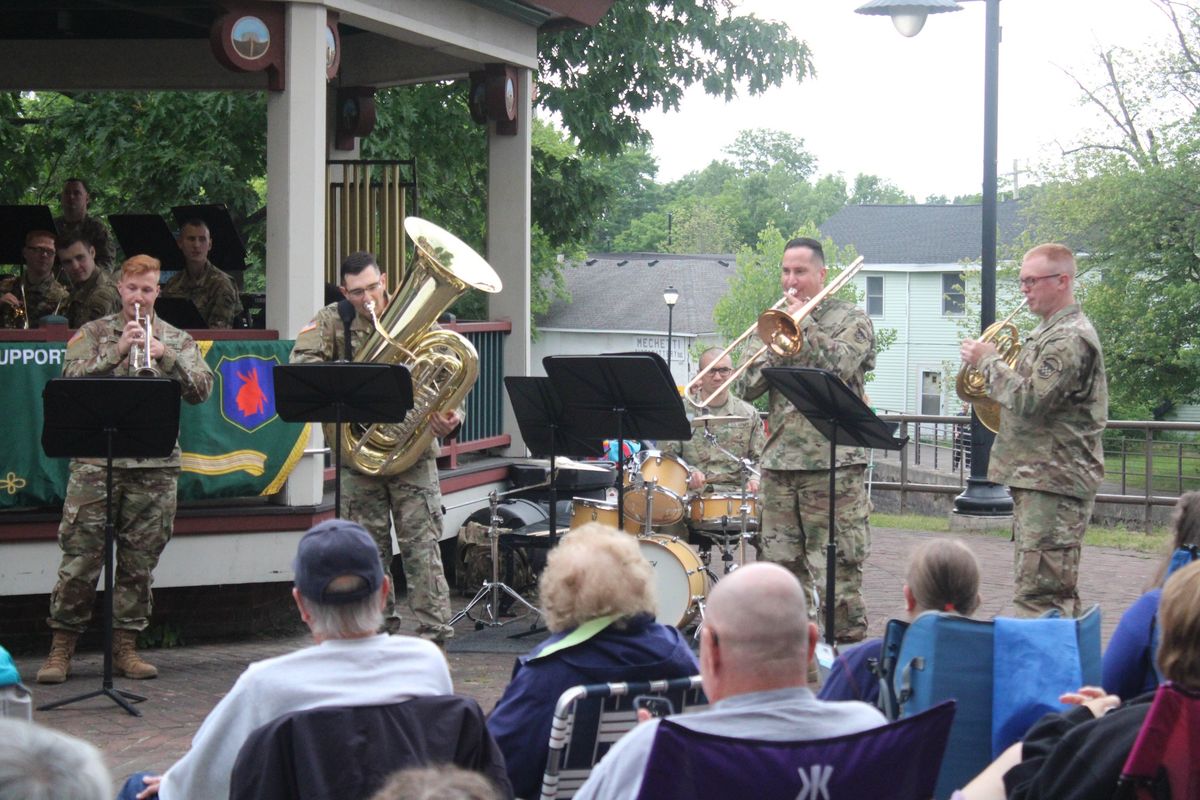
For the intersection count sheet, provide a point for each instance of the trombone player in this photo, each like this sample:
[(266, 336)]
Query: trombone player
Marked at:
[(1053, 409), (839, 337), (144, 489)]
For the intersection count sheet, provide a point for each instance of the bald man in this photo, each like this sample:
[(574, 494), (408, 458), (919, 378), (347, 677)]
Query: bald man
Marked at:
[(755, 648)]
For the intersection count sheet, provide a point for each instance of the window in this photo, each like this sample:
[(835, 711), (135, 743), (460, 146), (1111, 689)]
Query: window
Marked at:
[(931, 392), (954, 298), (875, 295)]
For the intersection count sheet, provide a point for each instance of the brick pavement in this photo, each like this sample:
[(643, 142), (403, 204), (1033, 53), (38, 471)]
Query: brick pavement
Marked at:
[(194, 678)]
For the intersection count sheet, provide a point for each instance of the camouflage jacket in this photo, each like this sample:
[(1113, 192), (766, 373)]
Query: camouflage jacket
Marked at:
[(213, 293), (322, 339), (42, 299), (743, 439), (94, 298), (839, 337), (92, 352), (95, 232), (1054, 405)]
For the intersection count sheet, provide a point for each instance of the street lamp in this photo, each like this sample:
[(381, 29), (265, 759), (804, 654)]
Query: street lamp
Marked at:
[(670, 297), (981, 497)]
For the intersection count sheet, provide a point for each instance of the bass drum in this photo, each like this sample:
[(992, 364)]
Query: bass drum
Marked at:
[(679, 578)]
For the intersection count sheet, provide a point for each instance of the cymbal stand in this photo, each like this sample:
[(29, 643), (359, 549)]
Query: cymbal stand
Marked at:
[(747, 469), (491, 590), (650, 487)]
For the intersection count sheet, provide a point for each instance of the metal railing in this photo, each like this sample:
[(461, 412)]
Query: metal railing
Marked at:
[(484, 426), (1144, 471)]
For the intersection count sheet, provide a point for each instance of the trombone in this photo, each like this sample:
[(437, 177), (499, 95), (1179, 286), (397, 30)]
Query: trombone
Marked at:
[(779, 331)]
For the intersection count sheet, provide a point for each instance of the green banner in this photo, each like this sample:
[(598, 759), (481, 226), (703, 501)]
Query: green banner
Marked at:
[(234, 444)]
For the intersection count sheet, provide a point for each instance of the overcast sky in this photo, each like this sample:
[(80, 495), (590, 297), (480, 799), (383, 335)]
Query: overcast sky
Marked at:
[(911, 110)]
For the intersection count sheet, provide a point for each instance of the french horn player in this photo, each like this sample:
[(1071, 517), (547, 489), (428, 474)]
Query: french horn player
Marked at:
[(1053, 407), (389, 472)]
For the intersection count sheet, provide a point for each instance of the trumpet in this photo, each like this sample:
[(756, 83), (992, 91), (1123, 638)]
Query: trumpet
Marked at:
[(778, 329), (971, 385), (140, 360)]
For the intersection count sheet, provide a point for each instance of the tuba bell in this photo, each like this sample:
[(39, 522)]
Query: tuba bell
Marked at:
[(444, 364), (971, 385)]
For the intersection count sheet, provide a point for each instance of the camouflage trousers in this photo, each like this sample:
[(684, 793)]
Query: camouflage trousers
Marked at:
[(143, 518), (795, 533), (1048, 531), (374, 502)]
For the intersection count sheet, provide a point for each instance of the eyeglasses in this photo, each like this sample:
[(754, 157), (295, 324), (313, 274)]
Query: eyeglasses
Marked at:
[(1025, 283), (358, 294), (721, 371), (40, 251)]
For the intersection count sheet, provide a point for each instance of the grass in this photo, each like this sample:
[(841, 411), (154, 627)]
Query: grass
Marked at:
[(1119, 536)]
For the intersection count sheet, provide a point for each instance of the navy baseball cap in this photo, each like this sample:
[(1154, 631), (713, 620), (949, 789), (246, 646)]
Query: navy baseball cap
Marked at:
[(330, 550)]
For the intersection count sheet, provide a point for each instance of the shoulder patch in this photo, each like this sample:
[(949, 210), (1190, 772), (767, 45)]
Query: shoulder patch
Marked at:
[(1050, 366), (310, 326), (78, 335)]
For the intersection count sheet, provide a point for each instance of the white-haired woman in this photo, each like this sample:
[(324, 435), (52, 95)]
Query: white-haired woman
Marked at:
[(597, 593)]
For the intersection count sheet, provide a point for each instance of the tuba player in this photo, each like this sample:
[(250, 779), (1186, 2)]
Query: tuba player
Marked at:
[(412, 498), (1054, 406)]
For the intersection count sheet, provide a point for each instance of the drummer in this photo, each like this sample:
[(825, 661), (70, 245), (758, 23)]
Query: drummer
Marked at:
[(712, 470)]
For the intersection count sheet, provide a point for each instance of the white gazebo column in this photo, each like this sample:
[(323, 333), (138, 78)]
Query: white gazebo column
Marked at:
[(508, 225), (296, 133)]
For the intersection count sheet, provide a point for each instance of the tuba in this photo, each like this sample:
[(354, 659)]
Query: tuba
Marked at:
[(971, 386), (444, 364)]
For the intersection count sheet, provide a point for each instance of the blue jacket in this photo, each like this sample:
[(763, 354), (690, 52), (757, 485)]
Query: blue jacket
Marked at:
[(1129, 659), (520, 722)]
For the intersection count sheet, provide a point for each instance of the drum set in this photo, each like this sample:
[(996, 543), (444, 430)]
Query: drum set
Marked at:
[(668, 519)]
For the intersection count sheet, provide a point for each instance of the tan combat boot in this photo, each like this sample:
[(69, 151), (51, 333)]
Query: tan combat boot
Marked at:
[(126, 660), (58, 663)]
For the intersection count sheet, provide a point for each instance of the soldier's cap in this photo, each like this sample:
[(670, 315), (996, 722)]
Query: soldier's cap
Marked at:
[(330, 550)]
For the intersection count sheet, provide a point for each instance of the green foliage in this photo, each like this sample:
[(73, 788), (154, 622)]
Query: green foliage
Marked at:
[(874, 190), (642, 55)]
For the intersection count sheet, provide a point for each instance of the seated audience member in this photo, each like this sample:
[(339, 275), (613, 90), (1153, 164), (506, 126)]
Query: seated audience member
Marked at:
[(1129, 659), (1078, 754), (210, 290), (35, 293), (598, 595), (75, 198), (93, 292), (755, 647), (443, 782), (340, 590), (943, 575), (37, 763)]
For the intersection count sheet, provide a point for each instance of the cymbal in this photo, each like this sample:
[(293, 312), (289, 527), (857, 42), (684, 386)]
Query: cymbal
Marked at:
[(715, 419), (562, 463)]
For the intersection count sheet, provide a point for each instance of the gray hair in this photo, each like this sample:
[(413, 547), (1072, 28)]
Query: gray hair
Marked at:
[(345, 620), (38, 763), (439, 782)]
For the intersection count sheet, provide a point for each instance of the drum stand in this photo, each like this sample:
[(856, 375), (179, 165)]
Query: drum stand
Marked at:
[(491, 590), (748, 471)]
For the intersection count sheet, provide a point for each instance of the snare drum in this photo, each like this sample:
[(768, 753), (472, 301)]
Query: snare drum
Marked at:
[(670, 478), (584, 511), (679, 577), (708, 511)]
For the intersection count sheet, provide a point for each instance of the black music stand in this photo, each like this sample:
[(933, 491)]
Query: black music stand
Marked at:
[(340, 392), (619, 395), (547, 431), (180, 312), (846, 421), (15, 224), (149, 234), (109, 418)]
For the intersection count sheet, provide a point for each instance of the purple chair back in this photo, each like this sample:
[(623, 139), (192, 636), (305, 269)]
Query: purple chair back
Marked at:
[(1167, 750)]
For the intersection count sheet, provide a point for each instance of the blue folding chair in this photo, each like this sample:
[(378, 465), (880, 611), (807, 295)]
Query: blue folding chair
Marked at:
[(588, 720), (899, 761)]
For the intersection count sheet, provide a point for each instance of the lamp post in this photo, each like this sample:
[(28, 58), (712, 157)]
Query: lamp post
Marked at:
[(670, 297), (981, 497)]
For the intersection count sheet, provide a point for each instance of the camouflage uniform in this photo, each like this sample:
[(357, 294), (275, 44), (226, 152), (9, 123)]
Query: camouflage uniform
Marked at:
[(795, 477), (213, 293), (143, 489), (94, 298), (1049, 452), (745, 439), (412, 498), (96, 232), (40, 299)]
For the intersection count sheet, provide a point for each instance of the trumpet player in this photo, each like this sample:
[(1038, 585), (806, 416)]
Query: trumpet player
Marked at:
[(838, 337), (35, 293), (412, 498), (1053, 409), (143, 488)]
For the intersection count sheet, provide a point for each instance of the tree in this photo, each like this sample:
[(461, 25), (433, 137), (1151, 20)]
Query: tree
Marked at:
[(1130, 201), (874, 190)]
